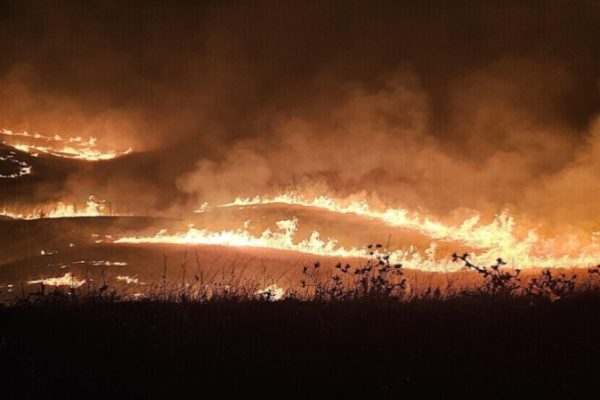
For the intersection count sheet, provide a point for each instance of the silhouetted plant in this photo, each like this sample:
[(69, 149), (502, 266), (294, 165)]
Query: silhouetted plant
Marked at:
[(497, 281), (550, 286), (378, 277), (595, 270)]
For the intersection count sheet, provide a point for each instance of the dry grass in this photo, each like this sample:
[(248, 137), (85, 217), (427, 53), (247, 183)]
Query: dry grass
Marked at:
[(377, 280)]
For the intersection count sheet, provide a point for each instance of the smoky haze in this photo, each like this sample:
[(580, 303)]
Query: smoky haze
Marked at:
[(428, 105)]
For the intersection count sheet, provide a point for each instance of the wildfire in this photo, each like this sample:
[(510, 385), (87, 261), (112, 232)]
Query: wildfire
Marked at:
[(94, 207), (271, 292), (127, 279), (493, 240), (486, 241), (469, 232), (101, 263), (283, 239), (75, 147), (22, 166), (66, 280)]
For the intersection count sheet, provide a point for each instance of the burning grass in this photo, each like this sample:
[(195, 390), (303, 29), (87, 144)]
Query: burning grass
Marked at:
[(376, 279), (502, 235), (93, 207), (76, 147), (365, 327)]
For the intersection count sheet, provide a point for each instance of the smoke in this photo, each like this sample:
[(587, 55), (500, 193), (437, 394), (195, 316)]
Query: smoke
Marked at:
[(503, 138), (437, 107)]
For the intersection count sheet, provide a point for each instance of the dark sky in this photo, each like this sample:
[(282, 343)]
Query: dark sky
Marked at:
[(428, 104)]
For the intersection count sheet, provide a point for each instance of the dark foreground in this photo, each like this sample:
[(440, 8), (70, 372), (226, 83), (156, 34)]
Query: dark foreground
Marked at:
[(476, 347)]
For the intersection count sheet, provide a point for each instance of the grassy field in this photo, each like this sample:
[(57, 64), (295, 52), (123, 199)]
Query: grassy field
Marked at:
[(502, 338), (291, 349)]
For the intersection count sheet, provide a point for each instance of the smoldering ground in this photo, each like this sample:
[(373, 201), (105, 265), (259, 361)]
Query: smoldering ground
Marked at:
[(426, 105)]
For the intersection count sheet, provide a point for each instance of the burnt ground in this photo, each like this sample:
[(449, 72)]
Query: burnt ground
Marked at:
[(475, 347)]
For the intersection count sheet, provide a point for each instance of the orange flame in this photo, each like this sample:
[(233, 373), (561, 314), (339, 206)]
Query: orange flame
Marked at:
[(94, 207), (66, 280), (74, 147), (23, 167), (282, 240), (496, 239), (272, 292), (127, 279)]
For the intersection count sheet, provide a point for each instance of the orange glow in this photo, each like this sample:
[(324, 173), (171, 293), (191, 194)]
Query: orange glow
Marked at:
[(493, 240), (94, 207), (23, 167), (127, 279), (75, 147), (272, 292), (66, 280), (283, 239)]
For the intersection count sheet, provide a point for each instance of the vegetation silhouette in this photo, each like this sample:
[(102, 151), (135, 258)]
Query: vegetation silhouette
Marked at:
[(350, 332)]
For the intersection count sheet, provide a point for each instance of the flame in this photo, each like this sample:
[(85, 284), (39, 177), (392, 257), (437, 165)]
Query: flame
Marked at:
[(271, 292), (469, 232), (66, 280), (101, 263), (75, 147), (23, 167), (281, 240), (127, 279), (94, 207), (493, 240)]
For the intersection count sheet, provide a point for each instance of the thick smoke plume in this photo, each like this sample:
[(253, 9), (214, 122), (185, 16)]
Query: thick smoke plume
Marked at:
[(425, 105)]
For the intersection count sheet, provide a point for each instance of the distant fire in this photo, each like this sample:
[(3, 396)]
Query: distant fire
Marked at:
[(498, 238), (94, 207), (23, 168), (67, 279), (127, 279), (74, 147)]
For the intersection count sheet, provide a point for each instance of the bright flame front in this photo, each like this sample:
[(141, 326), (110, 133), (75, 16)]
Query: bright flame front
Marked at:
[(490, 241), (94, 207), (75, 147)]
